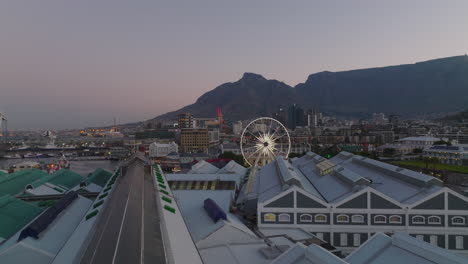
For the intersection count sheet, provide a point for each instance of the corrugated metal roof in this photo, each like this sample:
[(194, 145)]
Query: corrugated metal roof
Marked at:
[(14, 214), (66, 178), (15, 183), (98, 177), (401, 248)]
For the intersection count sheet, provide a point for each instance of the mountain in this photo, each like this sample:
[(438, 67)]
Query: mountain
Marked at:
[(435, 86), (251, 96)]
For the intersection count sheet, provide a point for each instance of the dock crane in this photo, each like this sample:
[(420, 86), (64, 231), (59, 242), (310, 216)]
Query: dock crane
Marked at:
[(4, 127)]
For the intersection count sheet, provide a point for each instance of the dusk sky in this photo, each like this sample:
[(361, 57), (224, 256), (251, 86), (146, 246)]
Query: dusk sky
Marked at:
[(70, 64)]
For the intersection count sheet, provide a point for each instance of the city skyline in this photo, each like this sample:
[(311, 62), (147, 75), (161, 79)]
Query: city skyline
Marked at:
[(70, 65)]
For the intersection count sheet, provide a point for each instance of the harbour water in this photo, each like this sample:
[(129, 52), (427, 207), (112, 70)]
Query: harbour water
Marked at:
[(81, 167)]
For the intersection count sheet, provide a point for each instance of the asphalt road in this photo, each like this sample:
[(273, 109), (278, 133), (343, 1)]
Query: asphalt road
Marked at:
[(128, 230)]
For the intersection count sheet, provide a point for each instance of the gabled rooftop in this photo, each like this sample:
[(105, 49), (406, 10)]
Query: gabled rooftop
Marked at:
[(98, 177), (15, 183), (401, 248), (14, 215)]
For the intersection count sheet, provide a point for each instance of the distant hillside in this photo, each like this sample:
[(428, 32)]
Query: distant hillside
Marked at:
[(435, 86)]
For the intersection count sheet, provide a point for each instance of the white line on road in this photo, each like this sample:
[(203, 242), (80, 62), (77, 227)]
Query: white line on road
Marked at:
[(121, 226)]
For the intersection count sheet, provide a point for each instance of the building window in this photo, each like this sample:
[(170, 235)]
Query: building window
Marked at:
[(357, 240), (319, 236), (395, 219), (433, 240), (458, 220), (357, 219), (306, 218), (344, 239), (434, 220), (284, 218), (320, 218), (342, 219), (418, 220), (420, 237), (269, 218), (380, 219), (458, 242)]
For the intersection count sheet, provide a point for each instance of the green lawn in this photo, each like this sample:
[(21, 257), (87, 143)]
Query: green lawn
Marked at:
[(440, 166)]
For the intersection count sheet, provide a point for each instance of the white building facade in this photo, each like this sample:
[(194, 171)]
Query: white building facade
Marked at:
[(162, 149)]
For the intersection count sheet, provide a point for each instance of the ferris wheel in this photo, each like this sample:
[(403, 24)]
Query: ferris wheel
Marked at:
[(263, 140)]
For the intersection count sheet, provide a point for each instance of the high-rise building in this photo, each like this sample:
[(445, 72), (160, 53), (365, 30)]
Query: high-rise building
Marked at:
[(185, 120), (194, 140), (295, 117)]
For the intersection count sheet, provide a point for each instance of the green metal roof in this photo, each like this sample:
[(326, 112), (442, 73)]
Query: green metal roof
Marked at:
[(14, 215), (3, 173), (15, 183), (63, 178), (99, 177)]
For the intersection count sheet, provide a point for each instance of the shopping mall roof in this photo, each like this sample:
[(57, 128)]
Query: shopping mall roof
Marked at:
[(14, 214), (15, 183), (66, 178), (98, 177)]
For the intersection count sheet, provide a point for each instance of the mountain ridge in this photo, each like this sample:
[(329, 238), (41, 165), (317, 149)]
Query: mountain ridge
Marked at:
[(431, 86)]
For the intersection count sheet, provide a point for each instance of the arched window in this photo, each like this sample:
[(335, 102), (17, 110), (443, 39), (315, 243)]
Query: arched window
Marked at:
[(284, 218), (380, 219), (395, 219), (306, 218), (269, 218), (418, 220), (342, 219), (458, 220), (320, 218), (357, 219), (434, 220)]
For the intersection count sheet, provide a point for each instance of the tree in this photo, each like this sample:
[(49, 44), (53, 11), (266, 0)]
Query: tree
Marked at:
[(389, 151), (417, 150), (230, 155), (442, 142)]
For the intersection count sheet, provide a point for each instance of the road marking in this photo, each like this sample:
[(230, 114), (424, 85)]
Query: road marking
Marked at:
[(105, 224), (121, 226)]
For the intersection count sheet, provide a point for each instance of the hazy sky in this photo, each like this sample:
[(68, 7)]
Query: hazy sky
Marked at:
[(69, 64)]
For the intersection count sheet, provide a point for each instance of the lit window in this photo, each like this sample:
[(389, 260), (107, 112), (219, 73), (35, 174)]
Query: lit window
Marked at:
[(420, 237), (380, 219), (357, 219), (306, 218), (458, 220), (433, 240), (434, 220), (269, 218), (395, 219), (342, 219), (459, 242), (284, 218), (418, 220), (320, 218)]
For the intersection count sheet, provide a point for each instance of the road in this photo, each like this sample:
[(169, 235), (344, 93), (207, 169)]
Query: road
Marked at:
[(128, 230)]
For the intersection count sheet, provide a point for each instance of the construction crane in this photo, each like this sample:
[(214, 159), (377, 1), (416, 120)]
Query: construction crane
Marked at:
[(4, 127)]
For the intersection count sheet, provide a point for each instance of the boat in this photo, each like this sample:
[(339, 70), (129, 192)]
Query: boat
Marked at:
[(16, 156), (51, 155), (29, 155)]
